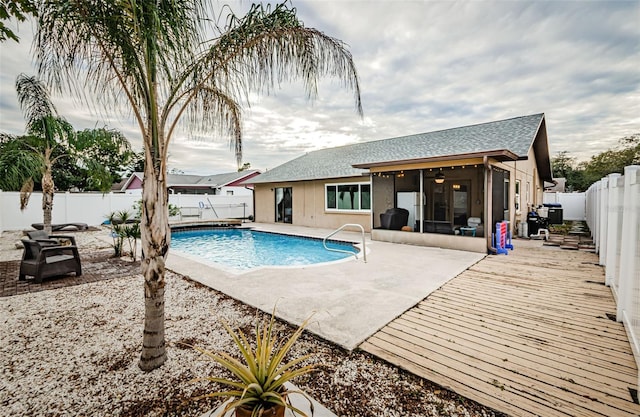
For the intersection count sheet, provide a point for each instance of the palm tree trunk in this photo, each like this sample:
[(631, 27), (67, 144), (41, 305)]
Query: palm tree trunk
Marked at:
[(48, 188), (155, 236)]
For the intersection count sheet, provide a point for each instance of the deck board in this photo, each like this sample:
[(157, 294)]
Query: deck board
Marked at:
[(526, 334)]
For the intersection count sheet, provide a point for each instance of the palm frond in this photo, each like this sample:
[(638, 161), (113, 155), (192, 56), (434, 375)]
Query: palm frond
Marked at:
[(18, 163), (25, 193), (35, 102)]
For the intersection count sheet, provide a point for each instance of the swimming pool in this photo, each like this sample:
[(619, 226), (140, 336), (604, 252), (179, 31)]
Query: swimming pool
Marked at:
[(246, 249)]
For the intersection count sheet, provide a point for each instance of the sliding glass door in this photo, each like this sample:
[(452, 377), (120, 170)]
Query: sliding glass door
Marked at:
[(284, 205)]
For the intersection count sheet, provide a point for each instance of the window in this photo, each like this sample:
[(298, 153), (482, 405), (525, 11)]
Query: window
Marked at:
[(229, 192), (517, 196), (351, 197)]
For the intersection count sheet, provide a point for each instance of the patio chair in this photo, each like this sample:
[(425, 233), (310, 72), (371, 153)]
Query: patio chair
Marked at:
[(394, 218), (41, 259)]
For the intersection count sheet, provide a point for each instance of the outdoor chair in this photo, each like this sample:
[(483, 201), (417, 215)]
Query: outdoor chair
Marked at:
[(42, 259), (394, 218)]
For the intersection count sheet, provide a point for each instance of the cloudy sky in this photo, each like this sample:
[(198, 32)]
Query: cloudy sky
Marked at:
[(423, 66)]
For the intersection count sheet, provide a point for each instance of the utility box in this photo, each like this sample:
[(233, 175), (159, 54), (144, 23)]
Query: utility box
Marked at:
[(555, 215)]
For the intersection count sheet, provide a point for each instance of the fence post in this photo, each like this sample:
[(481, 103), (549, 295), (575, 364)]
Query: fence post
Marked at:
[(612, 236), (604, 209), (592, 212), (598, 215), (629, 271)]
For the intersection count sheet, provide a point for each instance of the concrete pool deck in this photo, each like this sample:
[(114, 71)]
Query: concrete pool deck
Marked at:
[(350, 300)]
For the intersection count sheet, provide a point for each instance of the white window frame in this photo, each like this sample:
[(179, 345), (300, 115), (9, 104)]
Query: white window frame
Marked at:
[(338, 184)]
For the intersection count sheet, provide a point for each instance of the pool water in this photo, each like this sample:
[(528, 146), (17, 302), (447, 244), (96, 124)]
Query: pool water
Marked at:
[(247, 249)]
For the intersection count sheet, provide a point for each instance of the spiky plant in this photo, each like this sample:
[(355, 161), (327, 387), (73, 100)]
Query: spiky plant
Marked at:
[(261, 373)]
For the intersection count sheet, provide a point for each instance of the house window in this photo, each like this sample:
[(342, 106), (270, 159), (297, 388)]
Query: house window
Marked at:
[(350, 197), (517, 196), (229, 192)]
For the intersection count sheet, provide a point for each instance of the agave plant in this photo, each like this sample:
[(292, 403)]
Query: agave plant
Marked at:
[(258, 387)]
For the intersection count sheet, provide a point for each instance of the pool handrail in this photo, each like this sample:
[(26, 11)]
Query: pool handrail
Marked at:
[(364, 249)]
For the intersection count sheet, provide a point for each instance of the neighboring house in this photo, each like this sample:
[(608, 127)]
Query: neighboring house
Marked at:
[(219, 184), (487, 172), (558, 185)]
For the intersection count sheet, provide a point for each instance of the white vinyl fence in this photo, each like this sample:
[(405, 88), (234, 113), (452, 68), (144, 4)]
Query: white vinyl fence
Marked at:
[(613, 215), (573, 204), (93, 208)]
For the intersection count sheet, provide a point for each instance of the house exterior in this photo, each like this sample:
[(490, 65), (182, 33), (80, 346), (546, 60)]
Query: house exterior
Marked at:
[(220, 184), (448, 180)]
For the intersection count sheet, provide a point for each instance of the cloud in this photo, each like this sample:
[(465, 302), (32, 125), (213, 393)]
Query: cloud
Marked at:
[(424, 66)]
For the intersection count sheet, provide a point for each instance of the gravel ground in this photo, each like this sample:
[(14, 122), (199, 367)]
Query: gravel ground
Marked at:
[(73, 352)]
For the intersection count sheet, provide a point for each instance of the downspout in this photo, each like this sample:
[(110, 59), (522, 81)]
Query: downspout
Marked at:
[(488, 204)]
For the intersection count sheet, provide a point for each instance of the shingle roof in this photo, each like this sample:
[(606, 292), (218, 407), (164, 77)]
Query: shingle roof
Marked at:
[(217, 180), (213, 181), (514, 135)]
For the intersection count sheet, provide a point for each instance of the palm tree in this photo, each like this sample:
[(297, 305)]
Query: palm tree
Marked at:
[(50, 142), (35, 153), (152, 57)]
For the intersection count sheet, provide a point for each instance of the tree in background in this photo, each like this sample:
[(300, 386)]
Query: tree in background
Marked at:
[(565, 166), (154, 58), (33, 155), (581, 175), (613, 160), (18, 9), (27, 162), (90, 160), (104, 154)]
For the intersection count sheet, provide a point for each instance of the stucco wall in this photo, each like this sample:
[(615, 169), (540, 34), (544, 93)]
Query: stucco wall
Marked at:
[(308, 204), (531, 187)]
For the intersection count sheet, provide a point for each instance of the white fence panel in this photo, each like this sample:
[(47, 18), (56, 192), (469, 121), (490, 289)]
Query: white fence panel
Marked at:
[(613, 215), (614, 220), (574, 205), (93, 208)]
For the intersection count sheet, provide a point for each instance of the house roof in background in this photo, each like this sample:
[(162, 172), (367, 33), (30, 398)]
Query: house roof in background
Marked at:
[(508, 139), (195, 181), (213, 181)]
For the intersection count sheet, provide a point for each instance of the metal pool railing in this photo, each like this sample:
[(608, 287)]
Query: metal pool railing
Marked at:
[(364, 249)]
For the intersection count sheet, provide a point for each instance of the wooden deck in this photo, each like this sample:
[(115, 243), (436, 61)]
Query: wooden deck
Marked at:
[(526, 334)]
